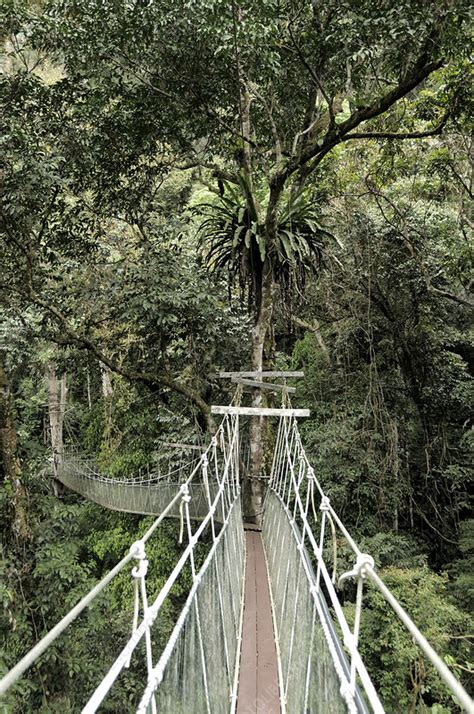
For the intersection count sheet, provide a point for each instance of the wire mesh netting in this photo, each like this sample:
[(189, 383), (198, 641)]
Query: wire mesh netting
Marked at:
[(199, 669), (147, 499), (148, 496), (146, 492), (310, 679)]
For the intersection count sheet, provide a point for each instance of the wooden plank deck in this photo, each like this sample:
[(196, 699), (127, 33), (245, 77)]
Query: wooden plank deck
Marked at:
[(258, 691)]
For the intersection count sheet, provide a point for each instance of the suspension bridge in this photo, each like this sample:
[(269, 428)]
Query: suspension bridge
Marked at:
[(262, 629)]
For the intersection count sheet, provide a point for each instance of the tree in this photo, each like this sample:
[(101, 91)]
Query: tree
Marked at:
[(391, 427), (329, 141), (254, 94), (10, 471)]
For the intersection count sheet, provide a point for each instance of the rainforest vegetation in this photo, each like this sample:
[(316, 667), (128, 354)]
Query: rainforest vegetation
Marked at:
[(205, 185)]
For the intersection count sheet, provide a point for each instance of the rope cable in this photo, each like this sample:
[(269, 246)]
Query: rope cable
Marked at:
[(205, 641)]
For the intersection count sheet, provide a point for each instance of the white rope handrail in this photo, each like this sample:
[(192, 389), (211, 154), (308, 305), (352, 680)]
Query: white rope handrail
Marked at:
[(31, 657), (90, 472), (292, 491), (341, 619), (124, 656), (159, 668), (291, 475)]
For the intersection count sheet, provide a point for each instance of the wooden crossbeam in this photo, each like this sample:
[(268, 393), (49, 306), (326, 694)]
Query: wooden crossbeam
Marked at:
[(263, 385), (259, 411), (257, 375), (177, 445)]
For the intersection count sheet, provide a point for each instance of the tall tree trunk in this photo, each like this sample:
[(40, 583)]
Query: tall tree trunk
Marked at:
[(396, 473), (107, 394), (262, 336), (88, 385), (57, 396), (254, 484), (10, 467)]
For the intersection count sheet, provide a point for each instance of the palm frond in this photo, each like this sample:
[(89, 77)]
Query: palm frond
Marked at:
[(231, 240)]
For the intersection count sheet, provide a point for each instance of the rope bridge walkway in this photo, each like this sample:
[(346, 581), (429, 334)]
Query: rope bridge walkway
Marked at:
[(262, 629), (146, 496)]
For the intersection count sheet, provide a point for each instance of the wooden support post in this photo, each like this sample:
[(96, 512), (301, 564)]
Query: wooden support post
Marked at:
[(260, 433), (177, 445)]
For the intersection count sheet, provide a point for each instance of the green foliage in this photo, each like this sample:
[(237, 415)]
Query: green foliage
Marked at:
[(394, 549), (233, 240), (405, 681), (462, 570), (115, 116), (392, 404), (75, 545)]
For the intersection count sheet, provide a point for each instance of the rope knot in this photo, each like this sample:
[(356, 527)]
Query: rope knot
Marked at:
[(325, 504), (346, 693), (157, 677), (185, 492), (364, 561), (140, 570), (137, 549)]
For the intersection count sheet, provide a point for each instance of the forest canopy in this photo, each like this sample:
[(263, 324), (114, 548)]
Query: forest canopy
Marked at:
[(212, 185)]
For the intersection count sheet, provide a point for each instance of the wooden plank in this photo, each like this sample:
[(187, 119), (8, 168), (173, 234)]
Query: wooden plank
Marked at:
[(177, 445), (252, 527), (247, 692), (268, 690), (259, 411), (256, 375), (258, 691), (263, 385)]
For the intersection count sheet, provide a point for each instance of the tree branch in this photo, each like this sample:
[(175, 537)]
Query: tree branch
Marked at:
[(400, 135), (217, 172), (318, 150), (450, 296), (151, 379), (411, 250), (273, 126), (315, 328), (312, 73), (146, 82)]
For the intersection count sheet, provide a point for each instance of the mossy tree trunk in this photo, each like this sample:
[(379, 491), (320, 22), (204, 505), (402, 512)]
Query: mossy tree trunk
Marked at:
[(10, 467), (262, 347), (57, 396)]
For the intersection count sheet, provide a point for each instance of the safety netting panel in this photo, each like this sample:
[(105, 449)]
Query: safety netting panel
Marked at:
[(310, 679), (199, 672), (149, 498)]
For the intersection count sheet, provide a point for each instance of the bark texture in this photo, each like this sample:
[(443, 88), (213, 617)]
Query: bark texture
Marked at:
[(255, 481), (10, 467), (57, 396)]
